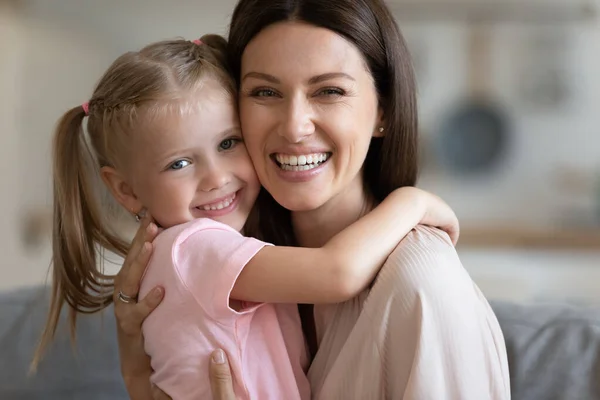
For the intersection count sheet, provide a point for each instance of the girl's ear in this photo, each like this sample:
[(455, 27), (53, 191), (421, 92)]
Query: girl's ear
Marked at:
[(121, 190)]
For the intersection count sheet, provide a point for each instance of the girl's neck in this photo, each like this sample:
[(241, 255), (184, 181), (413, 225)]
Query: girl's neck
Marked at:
[(314, 228)]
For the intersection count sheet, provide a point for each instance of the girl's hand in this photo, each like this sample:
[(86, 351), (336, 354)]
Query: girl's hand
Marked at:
[(440, 215), (135, 364)]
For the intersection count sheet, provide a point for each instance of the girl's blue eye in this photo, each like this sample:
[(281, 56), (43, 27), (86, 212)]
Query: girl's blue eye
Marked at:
[(179, 164), (227, 144)]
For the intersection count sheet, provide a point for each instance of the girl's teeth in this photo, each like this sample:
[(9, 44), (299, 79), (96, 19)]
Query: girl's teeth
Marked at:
[(221, 205)]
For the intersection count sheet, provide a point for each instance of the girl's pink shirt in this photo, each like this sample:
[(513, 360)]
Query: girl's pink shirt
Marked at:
[(197, 264)]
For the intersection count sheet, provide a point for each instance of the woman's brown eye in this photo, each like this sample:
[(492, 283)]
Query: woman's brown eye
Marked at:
[(332, 92), (264, 93)]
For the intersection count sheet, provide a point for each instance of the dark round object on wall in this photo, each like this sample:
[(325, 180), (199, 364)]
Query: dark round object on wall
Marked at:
[(474, 139)]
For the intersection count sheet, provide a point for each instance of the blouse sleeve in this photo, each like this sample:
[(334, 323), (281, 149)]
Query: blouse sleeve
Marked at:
[(455, 348)]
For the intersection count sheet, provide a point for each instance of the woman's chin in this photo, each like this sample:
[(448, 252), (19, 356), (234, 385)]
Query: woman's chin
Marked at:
[(299, 203)]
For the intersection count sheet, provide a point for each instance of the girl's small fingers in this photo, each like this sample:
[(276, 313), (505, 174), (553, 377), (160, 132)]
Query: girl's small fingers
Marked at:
[(454, 233)]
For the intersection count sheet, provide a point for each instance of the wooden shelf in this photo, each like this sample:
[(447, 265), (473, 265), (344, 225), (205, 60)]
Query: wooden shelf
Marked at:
[(530, 238)]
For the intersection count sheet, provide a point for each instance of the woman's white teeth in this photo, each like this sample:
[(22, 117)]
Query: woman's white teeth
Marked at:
[(302, 162), (220, 205)]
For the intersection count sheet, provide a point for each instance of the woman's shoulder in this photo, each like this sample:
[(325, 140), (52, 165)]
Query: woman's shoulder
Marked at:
[(430, 235), (424, 240), (425, 261)]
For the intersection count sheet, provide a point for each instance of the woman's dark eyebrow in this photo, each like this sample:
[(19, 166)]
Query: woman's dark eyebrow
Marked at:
[(311, 81), (328, 76), (263, 76)]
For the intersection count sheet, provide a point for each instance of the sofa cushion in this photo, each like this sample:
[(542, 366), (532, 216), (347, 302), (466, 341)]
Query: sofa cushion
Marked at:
[(89, 370), (553, 350)]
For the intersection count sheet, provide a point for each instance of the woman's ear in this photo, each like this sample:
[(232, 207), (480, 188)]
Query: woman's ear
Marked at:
[(380, 124), (121, 190)]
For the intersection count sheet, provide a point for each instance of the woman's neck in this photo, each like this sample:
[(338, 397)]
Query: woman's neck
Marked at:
[(314, 228)]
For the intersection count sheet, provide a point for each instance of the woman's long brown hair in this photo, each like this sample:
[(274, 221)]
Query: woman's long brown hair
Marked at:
[(134, 85), (391, 161)]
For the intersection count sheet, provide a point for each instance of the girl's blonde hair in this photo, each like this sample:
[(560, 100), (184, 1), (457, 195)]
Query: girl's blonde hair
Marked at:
[(161, 73)]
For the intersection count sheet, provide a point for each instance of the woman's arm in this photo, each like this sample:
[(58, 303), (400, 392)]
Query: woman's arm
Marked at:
[(135, 364), (347, 264)]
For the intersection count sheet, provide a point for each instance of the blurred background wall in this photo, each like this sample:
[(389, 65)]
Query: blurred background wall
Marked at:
[(528, 197)]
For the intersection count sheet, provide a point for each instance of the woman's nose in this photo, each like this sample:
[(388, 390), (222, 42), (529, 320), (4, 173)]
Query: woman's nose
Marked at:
[(297, 120)]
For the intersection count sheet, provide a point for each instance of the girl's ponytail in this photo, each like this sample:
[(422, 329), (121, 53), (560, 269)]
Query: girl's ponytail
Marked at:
[(79, 232)]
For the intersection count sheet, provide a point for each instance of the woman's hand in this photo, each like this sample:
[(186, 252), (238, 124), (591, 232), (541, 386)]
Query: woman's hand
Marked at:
[(440, 215), (221, 383), (135, 364), (220, 376)]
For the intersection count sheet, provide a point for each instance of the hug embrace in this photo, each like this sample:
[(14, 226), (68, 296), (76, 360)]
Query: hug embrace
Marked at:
[(283, 250)]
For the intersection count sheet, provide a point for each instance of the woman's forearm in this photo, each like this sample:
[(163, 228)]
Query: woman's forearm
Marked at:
[(138, 387)]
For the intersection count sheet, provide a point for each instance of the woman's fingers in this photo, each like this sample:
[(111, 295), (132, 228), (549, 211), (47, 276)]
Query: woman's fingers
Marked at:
[(131, 316), (129, 283), (158, 394), (221, 382), (139, 238), (130, 275), (148, 303)]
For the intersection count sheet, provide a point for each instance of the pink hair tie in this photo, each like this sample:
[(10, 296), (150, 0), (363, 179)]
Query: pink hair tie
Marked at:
[(197, 41), (86, 108)]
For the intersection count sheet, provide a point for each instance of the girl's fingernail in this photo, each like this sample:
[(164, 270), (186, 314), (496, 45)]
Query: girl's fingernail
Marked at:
[(218, 357)]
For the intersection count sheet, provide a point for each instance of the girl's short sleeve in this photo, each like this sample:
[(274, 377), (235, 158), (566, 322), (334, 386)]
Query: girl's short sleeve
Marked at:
[(208, 258)]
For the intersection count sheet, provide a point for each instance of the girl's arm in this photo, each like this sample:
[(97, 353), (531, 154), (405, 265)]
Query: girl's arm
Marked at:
[(347, 264)]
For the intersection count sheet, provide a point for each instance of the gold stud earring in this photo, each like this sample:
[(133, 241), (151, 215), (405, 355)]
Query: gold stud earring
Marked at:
[(138, 216)]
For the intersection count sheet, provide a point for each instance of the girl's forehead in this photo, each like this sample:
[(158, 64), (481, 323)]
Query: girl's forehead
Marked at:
[(201, 117), (181, 104)]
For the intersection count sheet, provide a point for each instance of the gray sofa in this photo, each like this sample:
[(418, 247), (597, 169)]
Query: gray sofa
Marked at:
[(553, 350)]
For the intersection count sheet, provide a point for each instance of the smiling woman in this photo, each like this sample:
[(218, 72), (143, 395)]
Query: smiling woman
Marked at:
[(335, 79)]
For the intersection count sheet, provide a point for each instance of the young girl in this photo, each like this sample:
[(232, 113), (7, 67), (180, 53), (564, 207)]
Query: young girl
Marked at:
[(163, 134)]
